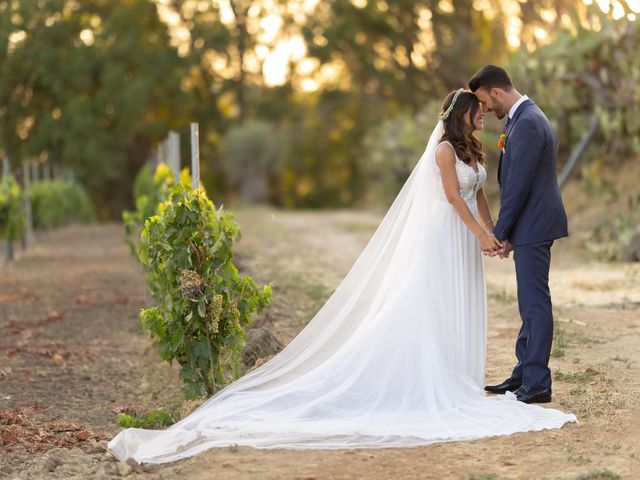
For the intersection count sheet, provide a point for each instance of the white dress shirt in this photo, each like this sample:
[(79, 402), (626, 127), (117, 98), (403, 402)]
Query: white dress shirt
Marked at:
[(516, 105)]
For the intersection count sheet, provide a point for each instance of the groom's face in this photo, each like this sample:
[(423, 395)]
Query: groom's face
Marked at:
[(490, 100)]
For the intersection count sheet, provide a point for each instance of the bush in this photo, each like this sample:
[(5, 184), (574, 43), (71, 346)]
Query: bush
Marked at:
[(11, 209), (203, 302), (252, 155), (55, 203)]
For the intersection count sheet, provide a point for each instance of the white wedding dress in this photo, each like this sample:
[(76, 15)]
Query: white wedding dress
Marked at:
[(394, 358)]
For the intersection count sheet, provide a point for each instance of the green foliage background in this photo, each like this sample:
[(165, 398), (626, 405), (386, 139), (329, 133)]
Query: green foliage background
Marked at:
[(94, 86)]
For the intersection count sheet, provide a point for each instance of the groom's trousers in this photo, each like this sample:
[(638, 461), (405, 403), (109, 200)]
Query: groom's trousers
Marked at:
[(533, 347)]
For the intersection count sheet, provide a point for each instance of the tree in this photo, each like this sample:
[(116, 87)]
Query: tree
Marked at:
[(92, 85)]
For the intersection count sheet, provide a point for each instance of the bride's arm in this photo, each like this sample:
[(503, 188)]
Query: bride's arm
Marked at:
[(484, 211), (447, 164)]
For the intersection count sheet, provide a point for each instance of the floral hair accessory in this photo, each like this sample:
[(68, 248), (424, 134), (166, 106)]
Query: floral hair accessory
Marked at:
[(446, 114)]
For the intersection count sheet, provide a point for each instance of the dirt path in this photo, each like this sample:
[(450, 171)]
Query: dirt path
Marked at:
[(72, 353)]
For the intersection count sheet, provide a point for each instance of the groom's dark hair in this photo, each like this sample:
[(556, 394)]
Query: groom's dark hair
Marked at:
[(490, 76)]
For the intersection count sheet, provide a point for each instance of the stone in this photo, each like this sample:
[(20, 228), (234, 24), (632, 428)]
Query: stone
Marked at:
[(51, 463), (124, 469), (260, 343), (99, 447)]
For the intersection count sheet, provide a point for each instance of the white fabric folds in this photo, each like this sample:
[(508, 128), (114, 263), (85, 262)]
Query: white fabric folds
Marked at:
[(394, 358)]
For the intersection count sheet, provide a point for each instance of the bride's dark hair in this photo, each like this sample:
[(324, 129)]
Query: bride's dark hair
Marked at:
[(457, 132)]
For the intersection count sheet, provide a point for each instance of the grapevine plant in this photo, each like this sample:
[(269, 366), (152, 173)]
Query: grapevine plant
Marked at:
[(149, 190), (11, 211), (59, 202), (203, 303)]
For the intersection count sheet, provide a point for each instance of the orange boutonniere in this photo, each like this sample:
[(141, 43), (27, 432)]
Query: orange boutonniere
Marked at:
[(501, 141)]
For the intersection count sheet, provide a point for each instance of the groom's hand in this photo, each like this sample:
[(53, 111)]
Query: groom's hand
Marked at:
[(506, 249)]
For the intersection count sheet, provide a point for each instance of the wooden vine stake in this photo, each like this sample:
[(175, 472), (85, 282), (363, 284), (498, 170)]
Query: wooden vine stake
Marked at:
[(28, 231), (195, 156), (8, 248), (195, 179)]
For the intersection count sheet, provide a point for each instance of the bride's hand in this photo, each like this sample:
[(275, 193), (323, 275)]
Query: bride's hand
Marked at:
[(489, 243)]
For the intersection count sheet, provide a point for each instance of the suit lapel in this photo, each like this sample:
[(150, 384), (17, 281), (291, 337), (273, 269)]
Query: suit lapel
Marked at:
[(513, 121)]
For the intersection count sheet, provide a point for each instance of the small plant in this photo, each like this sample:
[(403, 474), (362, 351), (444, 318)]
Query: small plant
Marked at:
[(11, 211), (599, 474), (559, 342), (203, 302), (150, 419)]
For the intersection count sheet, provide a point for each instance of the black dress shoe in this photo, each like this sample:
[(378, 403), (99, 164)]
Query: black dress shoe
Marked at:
[(509, 385), (528, 395)]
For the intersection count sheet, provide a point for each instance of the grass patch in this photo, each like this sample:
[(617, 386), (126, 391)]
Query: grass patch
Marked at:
[(579, 390), (559, 341), (579, 459), (618, 358), (584, 340), (575, 377), (485, 476), (502, 297), (151, 419), (599, 474)]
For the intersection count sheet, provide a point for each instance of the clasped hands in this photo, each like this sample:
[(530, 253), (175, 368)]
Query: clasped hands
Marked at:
[(493, 247)]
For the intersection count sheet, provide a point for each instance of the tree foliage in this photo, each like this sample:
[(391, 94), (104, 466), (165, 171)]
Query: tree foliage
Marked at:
[(591, 67), (90, 85)]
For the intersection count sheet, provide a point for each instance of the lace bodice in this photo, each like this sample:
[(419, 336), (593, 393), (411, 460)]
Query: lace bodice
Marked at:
[(470, 181)]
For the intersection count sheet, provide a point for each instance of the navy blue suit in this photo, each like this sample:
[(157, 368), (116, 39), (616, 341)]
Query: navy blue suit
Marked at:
[(531, 217)]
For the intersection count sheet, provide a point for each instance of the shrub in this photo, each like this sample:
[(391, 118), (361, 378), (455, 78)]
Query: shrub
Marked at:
[(203, 303), (150, 419), (11, 211), (252, 155), (55, 203)]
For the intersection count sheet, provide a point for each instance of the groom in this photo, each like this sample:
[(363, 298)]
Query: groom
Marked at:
[(531, 217)]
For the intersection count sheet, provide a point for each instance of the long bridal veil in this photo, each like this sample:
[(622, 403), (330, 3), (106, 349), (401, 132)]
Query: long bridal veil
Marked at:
[(381, 364)]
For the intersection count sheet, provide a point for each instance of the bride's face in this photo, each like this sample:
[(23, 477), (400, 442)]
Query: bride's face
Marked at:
[(477, 122), (492, 101)]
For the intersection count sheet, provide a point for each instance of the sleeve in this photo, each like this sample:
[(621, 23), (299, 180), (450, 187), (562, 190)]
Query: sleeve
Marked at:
[(527, 142)]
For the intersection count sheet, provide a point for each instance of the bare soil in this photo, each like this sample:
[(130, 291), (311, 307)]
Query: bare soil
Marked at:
[(73, 354)]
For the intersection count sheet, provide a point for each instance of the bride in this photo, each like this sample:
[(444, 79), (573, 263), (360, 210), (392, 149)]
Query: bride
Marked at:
[(395, 357)]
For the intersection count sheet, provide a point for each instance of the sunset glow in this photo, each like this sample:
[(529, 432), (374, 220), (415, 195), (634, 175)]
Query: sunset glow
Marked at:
[(278, 50)]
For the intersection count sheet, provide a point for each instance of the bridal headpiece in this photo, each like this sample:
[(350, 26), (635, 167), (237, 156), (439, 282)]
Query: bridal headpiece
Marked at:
[(446, 114)]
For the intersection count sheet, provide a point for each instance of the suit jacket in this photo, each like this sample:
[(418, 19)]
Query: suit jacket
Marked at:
[(531, 208)]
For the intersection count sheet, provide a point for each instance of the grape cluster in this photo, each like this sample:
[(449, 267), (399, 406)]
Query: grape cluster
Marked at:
[(191, 284), (213, 313)]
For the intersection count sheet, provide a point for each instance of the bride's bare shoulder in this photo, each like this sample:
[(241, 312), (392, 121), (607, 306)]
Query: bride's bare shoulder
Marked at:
[(445, 155)]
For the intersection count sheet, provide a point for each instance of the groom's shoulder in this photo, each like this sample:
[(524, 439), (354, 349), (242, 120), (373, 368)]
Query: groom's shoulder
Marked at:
[(533, 113)]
